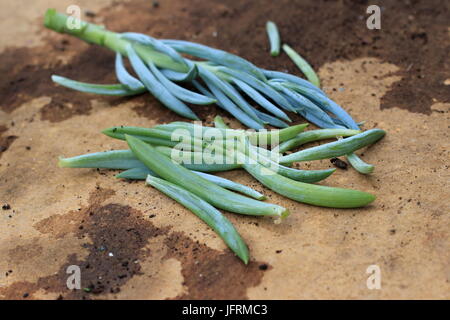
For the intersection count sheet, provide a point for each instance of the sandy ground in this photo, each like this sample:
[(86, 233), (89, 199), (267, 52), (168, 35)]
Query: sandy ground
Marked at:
[(132, 242)]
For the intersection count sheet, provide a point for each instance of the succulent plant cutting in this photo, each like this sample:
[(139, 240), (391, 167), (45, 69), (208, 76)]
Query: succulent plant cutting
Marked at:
[(177, 159), (150, 158), (274, 38), (161, 69)]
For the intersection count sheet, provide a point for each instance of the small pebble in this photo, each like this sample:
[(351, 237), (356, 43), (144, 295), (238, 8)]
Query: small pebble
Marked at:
[(263, 267), (339, 163), (89, 13)]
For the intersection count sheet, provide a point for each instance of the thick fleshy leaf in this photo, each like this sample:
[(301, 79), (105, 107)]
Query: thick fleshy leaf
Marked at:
[(324, 103), (210, 78), (267, 118), (228, 105), (263, 102), (124, 77), (155, 44), (303, 65), (218, 56), (141, 173), (206, 212), (359, 164), (104, 89), (261, 86), (156, 88), (289, 77), (274, 38), (307, 108), (180, 92), (192, 74)]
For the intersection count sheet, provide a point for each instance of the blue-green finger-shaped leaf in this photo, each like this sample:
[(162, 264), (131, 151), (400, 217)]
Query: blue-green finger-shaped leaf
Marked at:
[(192, 74), (201, 135), (124, 159), (309, 176), (141, 173), (218, 56), (155, 136), (303, 65), (210, 215), (220, 123), (231, 185), (116, 159), (315, 135), (211, 167), (320, 119), (210, 78), (274, 38), (210, 192), (307, 108), (261, 86), (263, 102), (155, 44), (104, 89), (291, 78), (359, 164), (317, 195), (180, 92), (267, 118), (124, 77), (337, 148), (325, 103), (333, 107), (228, 105), (156, 88), (208, 164)]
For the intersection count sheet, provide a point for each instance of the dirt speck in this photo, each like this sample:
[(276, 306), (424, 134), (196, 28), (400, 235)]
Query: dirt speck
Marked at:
[(5, 141), (6, 206), (338, 163)]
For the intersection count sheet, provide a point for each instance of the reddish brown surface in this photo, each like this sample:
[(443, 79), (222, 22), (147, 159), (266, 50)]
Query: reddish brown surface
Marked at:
[(414, 37), (124, 232)]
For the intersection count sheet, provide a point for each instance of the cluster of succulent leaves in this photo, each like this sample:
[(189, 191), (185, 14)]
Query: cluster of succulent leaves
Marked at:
[(171, 70), (233, 83), (151, 158)]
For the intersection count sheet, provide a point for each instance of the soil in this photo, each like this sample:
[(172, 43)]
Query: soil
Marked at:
[(396, 78), (415, 38)]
